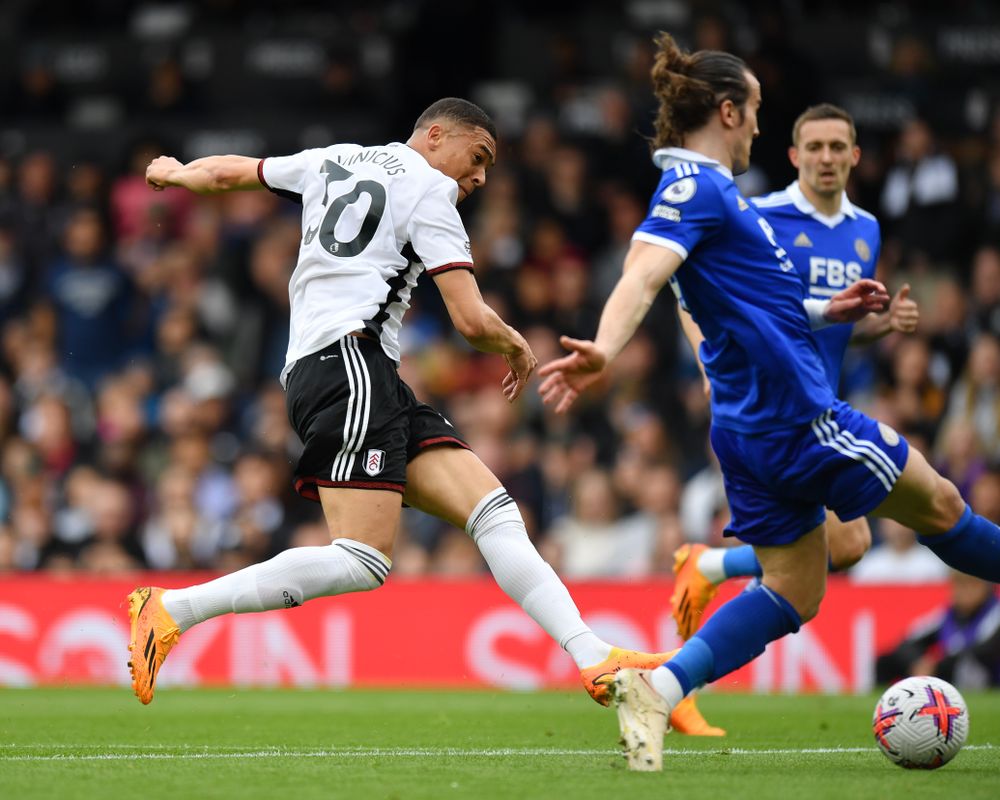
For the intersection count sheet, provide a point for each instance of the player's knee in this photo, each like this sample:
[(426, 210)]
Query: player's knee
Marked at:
[(809, 608), (812, 597), (804, 595), (947, 507), (806, 605), (851, 547)]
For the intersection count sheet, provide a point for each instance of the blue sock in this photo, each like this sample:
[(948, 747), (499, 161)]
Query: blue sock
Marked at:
[(733, 636), (741, 562), (972, 546)]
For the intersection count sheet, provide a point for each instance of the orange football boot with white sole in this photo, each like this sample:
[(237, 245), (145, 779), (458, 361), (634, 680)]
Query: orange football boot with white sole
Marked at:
[(154, 633), (686, 718), (692, 590), (597, 679)]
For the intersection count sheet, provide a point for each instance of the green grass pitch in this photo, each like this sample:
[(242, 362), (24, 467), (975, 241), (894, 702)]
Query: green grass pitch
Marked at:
[(402, 745)]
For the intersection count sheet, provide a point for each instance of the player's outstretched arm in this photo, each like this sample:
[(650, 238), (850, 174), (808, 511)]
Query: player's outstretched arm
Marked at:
[(483, 329), (209, 175), (647, 268), (902, 317)]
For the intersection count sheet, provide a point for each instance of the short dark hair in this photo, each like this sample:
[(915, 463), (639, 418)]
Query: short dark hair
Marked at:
[(690, 86), (823, 111), (455, 109)]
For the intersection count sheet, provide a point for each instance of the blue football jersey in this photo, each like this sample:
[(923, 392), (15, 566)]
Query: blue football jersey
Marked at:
[(742, 289), (829, 253)]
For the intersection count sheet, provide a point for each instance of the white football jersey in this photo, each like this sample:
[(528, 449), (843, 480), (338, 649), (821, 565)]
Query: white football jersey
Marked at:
[(373, 219)]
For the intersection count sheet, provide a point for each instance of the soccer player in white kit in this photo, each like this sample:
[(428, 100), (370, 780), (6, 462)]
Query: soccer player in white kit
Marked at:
[(373, 219)]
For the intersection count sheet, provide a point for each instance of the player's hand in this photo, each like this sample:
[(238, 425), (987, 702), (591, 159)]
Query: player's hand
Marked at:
[(857, 301), (566, 377), (522, 363), (903, 312), (159, 170)]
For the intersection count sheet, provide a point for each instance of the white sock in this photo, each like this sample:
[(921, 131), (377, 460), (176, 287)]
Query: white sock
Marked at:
[(666, 683), (710, 564), (496, 527), (286, 581), (587, 650)]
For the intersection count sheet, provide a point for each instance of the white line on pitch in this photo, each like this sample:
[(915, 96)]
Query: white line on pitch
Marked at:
[(438, 752)]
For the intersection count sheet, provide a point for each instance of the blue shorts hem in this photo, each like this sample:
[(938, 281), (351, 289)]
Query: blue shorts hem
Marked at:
[(767, 538), (860, 509)]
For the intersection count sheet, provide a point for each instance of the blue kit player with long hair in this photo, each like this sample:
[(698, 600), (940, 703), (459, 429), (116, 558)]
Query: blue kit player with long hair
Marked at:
[(832, 244), (788, 448)]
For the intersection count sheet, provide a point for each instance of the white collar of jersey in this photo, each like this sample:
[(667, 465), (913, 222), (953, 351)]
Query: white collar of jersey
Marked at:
[(803, 205), (666, 157)]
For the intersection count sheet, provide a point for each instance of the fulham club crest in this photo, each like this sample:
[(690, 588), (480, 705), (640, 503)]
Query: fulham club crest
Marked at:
[(374, 462)]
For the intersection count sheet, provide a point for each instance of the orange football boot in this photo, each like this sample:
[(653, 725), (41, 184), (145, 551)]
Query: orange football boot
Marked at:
[(692, 590), (686, 718), (154, 633), (597, 679)]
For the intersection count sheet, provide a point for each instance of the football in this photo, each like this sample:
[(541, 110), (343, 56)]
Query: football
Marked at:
[(921, 723)]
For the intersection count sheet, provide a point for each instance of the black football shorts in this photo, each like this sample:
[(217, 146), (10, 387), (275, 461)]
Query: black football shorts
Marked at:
[(360, 423)]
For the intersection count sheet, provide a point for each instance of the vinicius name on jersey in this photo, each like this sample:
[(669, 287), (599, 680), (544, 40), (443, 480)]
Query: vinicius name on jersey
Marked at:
[(374, 155)]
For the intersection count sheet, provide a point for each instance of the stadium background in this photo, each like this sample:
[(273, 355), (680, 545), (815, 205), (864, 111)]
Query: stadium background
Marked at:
[(141, 423)]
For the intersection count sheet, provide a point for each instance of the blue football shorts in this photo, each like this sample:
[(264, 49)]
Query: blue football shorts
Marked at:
[(779, 483)]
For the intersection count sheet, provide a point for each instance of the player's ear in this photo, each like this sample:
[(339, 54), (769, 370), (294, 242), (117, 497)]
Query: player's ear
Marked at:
[(435, 135), (793, 156), (728, 113), (855, 155)]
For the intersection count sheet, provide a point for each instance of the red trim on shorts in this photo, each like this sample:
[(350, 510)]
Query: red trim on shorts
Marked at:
[(436, 440), (308, 487), (260, 175), (448, 267)]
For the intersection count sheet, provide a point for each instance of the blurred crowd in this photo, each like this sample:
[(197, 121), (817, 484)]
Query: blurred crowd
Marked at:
[(142, 333)]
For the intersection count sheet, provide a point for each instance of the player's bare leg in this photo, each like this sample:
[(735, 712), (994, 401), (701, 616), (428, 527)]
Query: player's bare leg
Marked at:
[(453, 484), (930, 504), (922, 499), (848, 541), (798, 571), (369, 516)]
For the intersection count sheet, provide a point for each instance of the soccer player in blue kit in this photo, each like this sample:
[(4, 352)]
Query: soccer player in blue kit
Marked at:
[(832, 244), (788, 448)]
